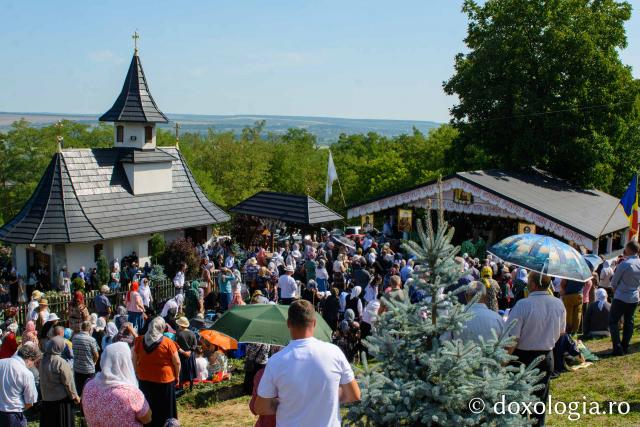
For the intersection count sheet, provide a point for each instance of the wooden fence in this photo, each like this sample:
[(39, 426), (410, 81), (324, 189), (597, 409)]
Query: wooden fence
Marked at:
[(161, 291)]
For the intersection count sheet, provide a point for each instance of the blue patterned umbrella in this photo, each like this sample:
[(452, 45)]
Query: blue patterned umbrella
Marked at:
[(543, 254)]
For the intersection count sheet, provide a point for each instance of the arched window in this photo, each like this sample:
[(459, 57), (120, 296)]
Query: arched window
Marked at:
[(119, 133), (148, 134)]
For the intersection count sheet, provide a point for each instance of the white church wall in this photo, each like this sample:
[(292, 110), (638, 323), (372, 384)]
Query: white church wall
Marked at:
[(152, 178), (20, 259), (134, 136), (78, 255)]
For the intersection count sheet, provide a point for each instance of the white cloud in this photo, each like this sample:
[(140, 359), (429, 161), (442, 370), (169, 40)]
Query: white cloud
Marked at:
[(105, 56)]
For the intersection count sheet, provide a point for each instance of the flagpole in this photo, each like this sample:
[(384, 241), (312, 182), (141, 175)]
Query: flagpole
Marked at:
[(609, 220), (341, 193)]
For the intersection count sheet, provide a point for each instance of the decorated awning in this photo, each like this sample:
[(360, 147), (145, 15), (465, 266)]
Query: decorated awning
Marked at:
[(548, 202)]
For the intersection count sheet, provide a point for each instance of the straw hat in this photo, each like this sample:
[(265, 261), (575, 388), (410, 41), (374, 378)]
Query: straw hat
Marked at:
[(43, 301), (183, 321), (253, 261), (104, 289), (36, 295), (289, 269)]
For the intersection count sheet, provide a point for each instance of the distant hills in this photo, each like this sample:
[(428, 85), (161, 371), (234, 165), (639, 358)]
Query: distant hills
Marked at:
[(326, 129)]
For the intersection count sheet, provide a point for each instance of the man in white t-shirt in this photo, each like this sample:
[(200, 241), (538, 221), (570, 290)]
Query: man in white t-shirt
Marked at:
[(305, 383), (288, 287)]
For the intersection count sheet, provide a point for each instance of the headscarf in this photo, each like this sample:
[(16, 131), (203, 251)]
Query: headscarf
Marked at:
[(356, 291), (154, 334), (117, 367), (30, 326), (601, 297), (78, 298), (522, 275), (179, 299), (111, 330), (55, 346), (134, 288), (13, 327), (100, 324), (349, 315), (68, 333), (94, 320), (122, 311)]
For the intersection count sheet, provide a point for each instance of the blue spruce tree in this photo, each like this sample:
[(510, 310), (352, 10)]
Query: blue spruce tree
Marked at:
[(422, 377)]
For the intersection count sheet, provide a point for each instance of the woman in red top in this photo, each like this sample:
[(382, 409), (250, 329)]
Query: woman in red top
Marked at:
[(9, 343), (157, 365), (135, 307)]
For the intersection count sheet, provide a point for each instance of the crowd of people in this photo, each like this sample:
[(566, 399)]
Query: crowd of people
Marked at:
[(132, 358)]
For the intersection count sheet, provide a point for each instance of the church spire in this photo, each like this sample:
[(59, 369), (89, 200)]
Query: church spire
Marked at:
[(135, 103)]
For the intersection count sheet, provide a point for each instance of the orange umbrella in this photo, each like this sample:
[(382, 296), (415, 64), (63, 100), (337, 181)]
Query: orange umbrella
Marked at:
[(223, 341)]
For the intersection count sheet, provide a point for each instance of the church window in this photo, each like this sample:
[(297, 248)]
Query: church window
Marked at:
[(148, 134), (119, 133)]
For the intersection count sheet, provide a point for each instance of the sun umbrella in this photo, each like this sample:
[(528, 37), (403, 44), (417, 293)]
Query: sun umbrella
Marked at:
[(223, 341), (543, 254), (344, 241), (263, 323), (593, 261)]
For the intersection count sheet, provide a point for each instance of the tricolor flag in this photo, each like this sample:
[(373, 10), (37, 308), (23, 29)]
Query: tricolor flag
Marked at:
[(629, 203), (332, 175)]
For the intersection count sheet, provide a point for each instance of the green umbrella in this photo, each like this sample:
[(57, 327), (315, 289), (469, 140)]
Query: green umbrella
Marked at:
[(263, 323)]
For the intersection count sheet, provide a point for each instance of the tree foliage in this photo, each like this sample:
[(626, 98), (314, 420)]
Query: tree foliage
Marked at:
[(177, 252), (231, 167), (542, 85)]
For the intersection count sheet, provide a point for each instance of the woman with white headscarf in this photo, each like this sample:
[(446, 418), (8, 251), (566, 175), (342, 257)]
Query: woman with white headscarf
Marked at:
[(113, 398), (354, 302), (596, 318), (110, 333), (171, 309), (157, 365)]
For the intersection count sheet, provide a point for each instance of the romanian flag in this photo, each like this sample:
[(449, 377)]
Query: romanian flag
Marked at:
[(629, 203)]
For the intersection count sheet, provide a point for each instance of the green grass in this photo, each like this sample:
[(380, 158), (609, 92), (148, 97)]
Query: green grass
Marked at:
[(611, 379)]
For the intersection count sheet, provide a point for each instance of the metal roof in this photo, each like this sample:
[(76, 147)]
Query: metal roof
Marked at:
[(84, 196), (582, 210), (290, 208), (135, 103)]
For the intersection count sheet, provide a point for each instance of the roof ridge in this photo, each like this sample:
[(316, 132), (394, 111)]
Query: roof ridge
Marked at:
[(56, 166)]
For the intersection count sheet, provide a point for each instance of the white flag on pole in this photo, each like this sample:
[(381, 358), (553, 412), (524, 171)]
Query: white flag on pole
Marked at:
[(332, 175)]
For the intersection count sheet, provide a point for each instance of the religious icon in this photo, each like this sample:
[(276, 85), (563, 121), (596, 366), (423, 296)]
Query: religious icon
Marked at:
[(526, 228), (462, 197), (366, 222), (405, 220)]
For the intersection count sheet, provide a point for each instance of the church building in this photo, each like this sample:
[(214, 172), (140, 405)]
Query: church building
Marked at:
[(111, 199)]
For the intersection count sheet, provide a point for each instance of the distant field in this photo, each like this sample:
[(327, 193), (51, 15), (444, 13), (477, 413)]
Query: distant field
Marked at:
[(326, 129)]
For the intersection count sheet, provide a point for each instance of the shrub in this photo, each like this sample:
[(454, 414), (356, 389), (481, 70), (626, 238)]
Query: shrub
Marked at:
[(102, 265), (157, 247), (157, 273), (177, 252), (77, 284)]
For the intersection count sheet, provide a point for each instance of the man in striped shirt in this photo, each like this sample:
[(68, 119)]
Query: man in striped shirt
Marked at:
[(85, 352)]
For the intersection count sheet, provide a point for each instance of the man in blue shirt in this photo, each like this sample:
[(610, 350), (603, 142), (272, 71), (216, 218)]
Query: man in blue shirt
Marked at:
[(625, 284)]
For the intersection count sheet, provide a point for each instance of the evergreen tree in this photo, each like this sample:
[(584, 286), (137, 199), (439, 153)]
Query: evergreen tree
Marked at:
[(102, 268), (422, 376)]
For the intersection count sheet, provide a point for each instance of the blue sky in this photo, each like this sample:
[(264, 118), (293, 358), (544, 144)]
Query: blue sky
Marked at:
[(357, 59)]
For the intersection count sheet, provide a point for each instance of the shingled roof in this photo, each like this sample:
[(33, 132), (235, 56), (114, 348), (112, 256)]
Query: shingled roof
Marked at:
[(290, 208), (84, 196), (135, 103)]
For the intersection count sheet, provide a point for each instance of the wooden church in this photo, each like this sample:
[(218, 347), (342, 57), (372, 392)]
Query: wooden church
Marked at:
[(111, 199)]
